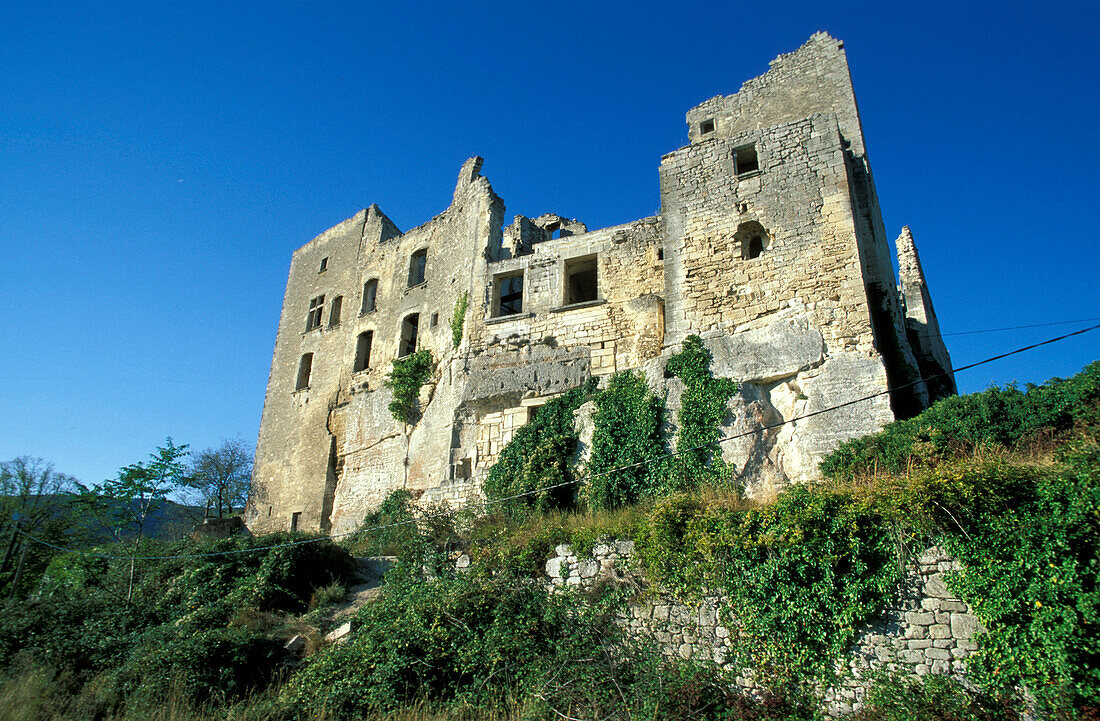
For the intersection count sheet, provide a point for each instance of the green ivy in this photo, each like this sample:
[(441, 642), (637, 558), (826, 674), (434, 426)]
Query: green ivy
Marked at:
[(538, 454), (703, 410), (800, 575), (627, 435), (458, 317), (405, 380)]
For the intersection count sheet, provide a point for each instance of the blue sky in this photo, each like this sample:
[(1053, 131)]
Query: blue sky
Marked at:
[(159, 162)]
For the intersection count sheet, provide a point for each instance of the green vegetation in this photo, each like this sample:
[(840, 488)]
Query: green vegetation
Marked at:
[(458, 318), (702, 411), (1015, 497), (405, 379), (998, 417), (538, 455), (629, 458)]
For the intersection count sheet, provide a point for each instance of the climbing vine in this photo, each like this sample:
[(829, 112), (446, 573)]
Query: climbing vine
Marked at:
[(405, 380), (702, 412), (458, 318), (627, 436), (538, 454)]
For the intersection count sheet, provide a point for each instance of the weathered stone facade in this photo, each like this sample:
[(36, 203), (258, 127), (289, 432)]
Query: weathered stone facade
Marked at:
[(769, 244)]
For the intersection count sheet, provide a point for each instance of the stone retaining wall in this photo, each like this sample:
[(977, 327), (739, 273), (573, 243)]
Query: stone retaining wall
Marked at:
[(925, 630)]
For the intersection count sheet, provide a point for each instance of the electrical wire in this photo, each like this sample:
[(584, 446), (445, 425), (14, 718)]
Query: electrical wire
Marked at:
[(575, 481)]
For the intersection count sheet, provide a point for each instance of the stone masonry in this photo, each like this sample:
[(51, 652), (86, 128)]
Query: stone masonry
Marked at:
[(769, 244), (925, 630)]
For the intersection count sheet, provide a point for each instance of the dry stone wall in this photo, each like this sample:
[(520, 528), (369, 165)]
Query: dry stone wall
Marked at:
[(925, 630)]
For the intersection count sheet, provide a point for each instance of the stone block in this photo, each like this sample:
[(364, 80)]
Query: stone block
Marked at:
[(965, 626), (920, 619), (339, 634), (939, 630), (554, 567), (937, 654)]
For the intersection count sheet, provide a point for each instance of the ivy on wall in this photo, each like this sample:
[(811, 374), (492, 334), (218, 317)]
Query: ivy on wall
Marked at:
[(702, 411), (405, 379), (458, 317), (538, 454)]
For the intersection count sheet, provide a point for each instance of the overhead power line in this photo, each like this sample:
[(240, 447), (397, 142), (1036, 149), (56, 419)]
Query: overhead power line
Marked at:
[(575, 481)]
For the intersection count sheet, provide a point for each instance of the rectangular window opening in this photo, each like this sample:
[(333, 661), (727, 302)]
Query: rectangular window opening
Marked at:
[(435, 320), (362, 351), (294, 519), (305, 367), (334, 311), (409, 328), (581, 282), (745, 160), (707, 126), (324, 265), (509, 295), (316, 312), (417, 264)]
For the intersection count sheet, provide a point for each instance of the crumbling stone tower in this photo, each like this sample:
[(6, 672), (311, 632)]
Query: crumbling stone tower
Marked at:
[(770, 245)]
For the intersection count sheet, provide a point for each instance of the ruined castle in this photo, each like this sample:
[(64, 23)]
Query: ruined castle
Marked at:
[(769, 245)]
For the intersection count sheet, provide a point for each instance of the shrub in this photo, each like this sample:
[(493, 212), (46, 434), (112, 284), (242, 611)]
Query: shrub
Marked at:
[(405, 379), (627, 433), (998, 416)]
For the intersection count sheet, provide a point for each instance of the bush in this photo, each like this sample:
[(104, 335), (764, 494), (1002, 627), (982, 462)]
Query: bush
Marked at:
[(933, 697), (998, 416), (405, 379), (627, 433)]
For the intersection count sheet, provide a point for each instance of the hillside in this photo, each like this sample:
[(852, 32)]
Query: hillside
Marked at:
[(1006, 482)]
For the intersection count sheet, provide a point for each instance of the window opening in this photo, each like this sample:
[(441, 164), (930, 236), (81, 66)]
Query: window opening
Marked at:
[(316, 311), (305, 367), (509, 291), (435, 320), (294, 518), (745, 160), (554, 230), (417, 264), (362, 351), (334, 311), (324, 265), (409, 328), (580, 280), (463, 469), (753, 248), (660, 254), (370, 295), (707, 126)]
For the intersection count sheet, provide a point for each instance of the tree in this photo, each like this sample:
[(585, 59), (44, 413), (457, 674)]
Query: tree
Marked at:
[(35, 498), (128, 502), (222, 476)]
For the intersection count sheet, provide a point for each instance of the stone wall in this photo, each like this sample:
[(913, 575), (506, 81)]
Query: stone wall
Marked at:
[(925, 630)]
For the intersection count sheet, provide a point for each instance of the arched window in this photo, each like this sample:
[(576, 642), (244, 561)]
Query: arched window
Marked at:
[(409, 328), (417, 264), (362, 351), (754, 248), (370, 295), (305, 367), (754, 239)]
